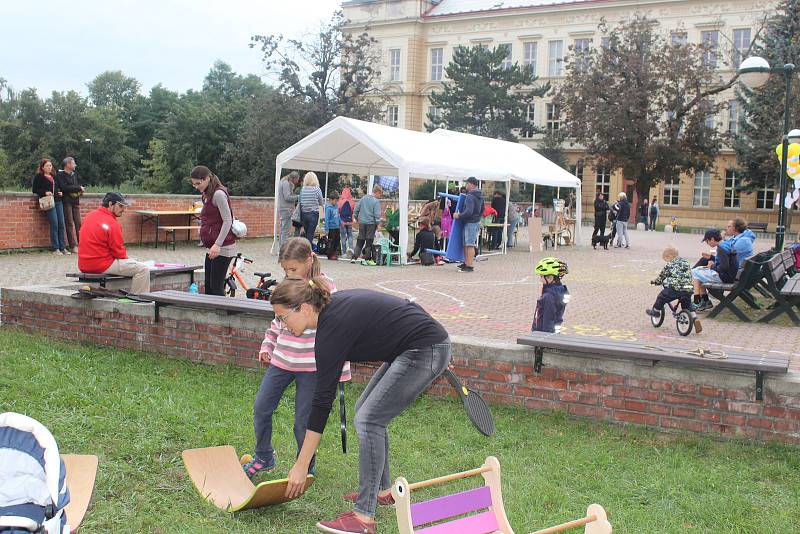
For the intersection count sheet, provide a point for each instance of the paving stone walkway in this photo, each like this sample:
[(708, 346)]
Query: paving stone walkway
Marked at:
[(610, 290)]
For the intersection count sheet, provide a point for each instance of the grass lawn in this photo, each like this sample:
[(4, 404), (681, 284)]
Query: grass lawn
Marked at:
[(137, 412)]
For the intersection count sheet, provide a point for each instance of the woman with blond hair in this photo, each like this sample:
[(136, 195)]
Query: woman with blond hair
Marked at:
[(311, 200)]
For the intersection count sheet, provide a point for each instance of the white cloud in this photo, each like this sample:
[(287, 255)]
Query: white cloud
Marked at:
[(56, 45)]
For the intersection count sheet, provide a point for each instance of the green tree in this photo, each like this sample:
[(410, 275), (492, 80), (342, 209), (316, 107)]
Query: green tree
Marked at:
[(154, 175), (551, 147), (150, 114), (333, 73), (114, 90), (762, 131), (640, 104), (483, 95), (23, 126)]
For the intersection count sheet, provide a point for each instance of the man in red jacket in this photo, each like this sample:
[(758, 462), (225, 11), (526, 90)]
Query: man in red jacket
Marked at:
[(102, 250)]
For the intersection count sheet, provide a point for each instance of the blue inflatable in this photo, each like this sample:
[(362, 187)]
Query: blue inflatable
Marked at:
[(455, 244)]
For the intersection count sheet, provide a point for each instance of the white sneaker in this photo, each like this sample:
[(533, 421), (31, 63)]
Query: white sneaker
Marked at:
[(57, 253), (66, 252)]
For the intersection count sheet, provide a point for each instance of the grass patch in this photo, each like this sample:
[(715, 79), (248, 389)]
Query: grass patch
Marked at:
[(137, 412)]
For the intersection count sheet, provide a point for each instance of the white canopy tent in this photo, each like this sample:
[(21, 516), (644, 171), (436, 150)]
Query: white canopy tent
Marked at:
[(354, 146)]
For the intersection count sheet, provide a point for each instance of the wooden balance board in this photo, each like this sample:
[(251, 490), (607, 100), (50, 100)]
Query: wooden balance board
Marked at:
[(218, 475), (81, 473)]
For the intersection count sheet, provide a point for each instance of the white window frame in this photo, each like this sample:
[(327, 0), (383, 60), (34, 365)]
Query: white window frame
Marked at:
[(672, 191), (602, 180), (555, 58), (735, 116), (710, 56), (437, 64), (580, 50), (710, 120), (530, 50), (530, 118), (740, 45), (393, 115), (508, 61), (394, 64), (762, 198), (702, 189), (553, 117), (732, 197), (435, 112), (679, 38)]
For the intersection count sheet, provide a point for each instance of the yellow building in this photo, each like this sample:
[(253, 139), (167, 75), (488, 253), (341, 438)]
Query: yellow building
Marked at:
[(417, 38)]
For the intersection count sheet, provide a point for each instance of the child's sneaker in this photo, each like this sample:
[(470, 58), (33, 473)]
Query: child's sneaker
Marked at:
[(652, 313), (698, 327), (257, 465)]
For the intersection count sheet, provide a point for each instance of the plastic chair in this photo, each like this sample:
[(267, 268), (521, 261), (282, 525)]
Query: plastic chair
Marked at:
[(388, 250)]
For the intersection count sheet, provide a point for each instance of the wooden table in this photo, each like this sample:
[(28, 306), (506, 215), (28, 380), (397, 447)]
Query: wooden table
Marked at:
[(155, 215)]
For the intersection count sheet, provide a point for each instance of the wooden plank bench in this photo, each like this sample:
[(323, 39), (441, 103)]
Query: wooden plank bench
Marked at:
[(172, 230), (757, 226), (209, 302), (101, 279), (782, 285), (727, 294), (596, 347)]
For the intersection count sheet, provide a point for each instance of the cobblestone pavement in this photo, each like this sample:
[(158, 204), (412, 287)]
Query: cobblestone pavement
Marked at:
[(609, 288)]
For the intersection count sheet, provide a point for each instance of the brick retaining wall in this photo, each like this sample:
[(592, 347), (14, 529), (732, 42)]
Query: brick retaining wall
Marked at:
[(661, 397)]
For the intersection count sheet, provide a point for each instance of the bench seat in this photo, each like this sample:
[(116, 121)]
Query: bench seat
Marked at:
[(172, 230), (607, 348), (209, 302), (102, 279)]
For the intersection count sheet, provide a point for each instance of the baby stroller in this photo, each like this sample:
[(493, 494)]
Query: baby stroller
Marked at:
[(32, 477)]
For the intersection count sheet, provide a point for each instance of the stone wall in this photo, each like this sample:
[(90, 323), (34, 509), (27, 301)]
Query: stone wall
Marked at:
[(661, 397), (25, 226)]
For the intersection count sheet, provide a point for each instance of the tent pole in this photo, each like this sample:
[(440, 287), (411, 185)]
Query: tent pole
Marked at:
[(403, 207), (275, 229), (505, 221), (326, 185)]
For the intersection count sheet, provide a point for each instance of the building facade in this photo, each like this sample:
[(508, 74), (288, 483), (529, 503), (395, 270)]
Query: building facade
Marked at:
[(417, 39)]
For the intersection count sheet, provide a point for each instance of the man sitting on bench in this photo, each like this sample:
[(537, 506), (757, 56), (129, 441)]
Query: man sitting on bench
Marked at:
[(102, 249)]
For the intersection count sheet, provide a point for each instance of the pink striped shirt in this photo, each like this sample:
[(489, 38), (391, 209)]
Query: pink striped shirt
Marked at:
[(295, 353)]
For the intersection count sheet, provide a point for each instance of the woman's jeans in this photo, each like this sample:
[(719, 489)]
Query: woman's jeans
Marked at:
[(275, 382), (310, 220), (512, 226), (346, 232), (393, 387), (55, 217), (216, 271), (653, 219)]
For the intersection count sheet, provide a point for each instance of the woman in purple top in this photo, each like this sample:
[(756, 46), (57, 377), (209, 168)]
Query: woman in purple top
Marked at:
[(216, 219)]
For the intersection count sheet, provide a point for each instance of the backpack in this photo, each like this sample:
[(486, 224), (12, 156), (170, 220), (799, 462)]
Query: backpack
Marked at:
[(346, 212), (33, 478), (322, 245)]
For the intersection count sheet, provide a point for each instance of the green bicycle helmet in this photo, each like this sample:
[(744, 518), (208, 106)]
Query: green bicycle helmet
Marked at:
[(551, 267)]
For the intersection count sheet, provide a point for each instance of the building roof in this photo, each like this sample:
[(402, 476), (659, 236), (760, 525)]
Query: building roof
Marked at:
[(455, 7)]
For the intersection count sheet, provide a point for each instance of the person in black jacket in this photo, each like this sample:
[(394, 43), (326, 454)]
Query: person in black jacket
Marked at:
[(361, 325), (600, 214), (623, 209), (722, 270), (44, 184), (425, 240), (496, 234), (550, 307), (68, 181), (470, 217)]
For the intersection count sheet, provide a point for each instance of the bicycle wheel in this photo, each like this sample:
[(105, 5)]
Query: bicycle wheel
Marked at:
[(658, 321), (684, 323), (230, 287)]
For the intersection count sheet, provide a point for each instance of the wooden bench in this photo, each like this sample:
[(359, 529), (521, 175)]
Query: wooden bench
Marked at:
[(101, 279), (209, 302), (757, 226), (727, 294), (596, 347), (171, 231), (782, 284)]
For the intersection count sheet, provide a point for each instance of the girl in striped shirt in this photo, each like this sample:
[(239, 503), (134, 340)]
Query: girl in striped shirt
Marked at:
[(290, 358)]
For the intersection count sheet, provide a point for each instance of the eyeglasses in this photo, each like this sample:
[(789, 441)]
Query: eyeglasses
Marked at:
[(282, 318)]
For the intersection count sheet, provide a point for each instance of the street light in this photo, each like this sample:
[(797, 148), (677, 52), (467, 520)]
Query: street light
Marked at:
[(754, 72), (87, 140)]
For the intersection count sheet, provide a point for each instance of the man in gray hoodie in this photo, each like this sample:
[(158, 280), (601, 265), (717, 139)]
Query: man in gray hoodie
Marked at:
[(286, 202), (368, 215)]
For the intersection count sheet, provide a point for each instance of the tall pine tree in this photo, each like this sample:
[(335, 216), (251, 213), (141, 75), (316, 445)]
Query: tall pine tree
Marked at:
[(483, 95), (763, 107)]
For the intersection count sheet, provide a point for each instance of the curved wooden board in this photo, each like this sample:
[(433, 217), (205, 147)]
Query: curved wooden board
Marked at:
[(218, 475), (81, 474)]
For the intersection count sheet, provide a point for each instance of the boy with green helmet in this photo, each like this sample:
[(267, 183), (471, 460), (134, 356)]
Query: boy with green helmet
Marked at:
[(551, 305)]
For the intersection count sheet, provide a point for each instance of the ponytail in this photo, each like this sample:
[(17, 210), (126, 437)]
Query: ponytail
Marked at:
[(293, 293)]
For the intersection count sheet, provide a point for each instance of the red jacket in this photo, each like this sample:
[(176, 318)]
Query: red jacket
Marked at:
[(100, 242)]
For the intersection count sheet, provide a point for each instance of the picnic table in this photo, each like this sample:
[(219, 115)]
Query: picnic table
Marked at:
[(155, 215)]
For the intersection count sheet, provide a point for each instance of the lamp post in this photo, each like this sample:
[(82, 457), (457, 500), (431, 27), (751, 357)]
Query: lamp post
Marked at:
[(87, 140), (754, 72)]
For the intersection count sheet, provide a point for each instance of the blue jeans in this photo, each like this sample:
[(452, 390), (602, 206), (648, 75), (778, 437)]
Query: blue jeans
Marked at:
[(310, 220), (393, 387), (346, 232), (55, 217), (512, 226), (275, 382)]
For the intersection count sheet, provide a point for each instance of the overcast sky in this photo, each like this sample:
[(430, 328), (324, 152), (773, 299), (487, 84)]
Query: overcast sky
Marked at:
[(61, 45)]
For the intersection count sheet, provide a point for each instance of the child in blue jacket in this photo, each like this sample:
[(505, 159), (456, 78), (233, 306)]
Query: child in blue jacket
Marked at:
[(332, 223), (550, 307)]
